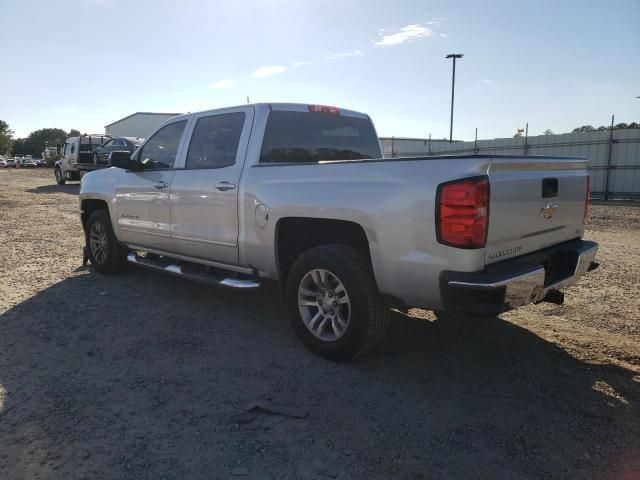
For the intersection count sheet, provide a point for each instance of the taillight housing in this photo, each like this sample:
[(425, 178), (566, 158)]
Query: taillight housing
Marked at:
[(587, 200), (462, 212)]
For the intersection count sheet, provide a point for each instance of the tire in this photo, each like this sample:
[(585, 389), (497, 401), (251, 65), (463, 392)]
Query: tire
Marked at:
[(106, 253), (356, 319), (60, 180)]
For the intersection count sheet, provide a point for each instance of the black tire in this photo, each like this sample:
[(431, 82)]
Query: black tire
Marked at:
[(111, 256), (60, 180), (368, 318)]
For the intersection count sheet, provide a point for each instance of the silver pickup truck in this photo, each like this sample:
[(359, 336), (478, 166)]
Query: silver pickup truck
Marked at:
[(300, 194)]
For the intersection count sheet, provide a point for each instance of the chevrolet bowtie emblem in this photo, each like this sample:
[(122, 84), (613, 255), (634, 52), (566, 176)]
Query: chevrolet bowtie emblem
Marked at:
[(548, 210)]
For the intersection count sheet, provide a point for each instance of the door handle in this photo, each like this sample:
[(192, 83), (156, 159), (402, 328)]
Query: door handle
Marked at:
[(224, 186), (161, 185)]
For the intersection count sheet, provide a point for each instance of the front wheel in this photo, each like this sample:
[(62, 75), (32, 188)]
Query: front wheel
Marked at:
[(106, 253), (334, 304), (60, 180)]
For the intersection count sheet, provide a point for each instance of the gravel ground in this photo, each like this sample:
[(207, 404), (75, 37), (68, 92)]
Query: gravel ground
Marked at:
[(145, 376)]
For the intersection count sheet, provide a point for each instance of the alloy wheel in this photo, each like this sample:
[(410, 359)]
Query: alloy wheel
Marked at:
[(98, 242), (324, 305)]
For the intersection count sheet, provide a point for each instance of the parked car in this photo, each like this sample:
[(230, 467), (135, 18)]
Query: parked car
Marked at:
[(10, 162), (28, 162), (40, 162), (129, 144), (3, 163), (301, 195)]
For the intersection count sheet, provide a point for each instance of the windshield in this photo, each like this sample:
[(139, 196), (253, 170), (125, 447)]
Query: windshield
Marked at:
[(304, 137)]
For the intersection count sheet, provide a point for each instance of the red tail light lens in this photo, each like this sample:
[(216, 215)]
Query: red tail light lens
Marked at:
[(462, 213), (324, 109), (587, 200)]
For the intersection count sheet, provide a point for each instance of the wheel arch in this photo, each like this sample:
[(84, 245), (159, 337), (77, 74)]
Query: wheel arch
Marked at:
[(295, 235), (90, 205)]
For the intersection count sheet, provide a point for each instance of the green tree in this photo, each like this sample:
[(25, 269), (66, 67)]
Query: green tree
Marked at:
[(634, 125), (584, 128), (621, 126), (6, 137), (18, 147), (34, 144), (73, 133), (548, 131)]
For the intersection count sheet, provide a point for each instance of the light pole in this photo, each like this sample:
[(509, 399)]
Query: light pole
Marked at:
[(453, 87)]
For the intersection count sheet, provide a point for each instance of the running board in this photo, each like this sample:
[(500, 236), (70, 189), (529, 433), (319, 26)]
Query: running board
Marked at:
[(180, 271)]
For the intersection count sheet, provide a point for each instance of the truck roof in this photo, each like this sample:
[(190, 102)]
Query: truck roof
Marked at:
[(293, 107)]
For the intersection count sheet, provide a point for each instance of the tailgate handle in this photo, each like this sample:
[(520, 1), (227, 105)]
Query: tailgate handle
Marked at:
[(549, 187)]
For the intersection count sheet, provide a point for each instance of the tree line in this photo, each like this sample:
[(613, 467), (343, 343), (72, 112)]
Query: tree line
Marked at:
[(602, 128), (34, 143)]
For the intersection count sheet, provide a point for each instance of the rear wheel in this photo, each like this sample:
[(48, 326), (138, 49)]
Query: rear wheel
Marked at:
[(60, 180), (106, 253), (334, 304)]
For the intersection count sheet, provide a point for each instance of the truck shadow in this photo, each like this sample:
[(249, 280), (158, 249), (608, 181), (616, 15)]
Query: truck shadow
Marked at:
[(144, 376), (70, 188)]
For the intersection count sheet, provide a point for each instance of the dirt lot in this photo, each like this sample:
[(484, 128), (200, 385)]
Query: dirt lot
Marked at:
[(145, 376)]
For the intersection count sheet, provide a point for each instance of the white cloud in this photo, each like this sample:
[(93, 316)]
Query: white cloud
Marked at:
[(221, 84), (267, 71), (443, 35), (353, 53), (405, 34), (302, 63), (485, 80)]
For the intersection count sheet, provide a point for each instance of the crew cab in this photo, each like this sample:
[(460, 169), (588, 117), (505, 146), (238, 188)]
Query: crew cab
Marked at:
[(299, 194)]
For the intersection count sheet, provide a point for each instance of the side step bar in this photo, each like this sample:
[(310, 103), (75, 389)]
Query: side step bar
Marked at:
[(180, 271)]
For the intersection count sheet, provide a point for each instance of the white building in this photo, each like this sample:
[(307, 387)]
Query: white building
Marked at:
[(139, 124)]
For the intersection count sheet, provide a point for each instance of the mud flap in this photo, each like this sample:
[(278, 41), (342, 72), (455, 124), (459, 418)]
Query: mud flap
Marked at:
[(85, 256)]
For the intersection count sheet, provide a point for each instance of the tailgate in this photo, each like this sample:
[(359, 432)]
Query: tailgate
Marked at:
[(535, 202)]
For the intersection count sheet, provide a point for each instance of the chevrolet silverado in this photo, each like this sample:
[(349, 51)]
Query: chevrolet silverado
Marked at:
[(300, 194)]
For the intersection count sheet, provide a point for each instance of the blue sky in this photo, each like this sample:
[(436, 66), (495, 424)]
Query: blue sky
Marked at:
[(556, 64)]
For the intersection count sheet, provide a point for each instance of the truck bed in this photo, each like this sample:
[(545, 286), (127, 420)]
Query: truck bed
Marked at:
[(394, 200)]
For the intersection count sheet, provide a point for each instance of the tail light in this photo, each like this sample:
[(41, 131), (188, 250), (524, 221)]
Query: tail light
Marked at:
[(587, 200), (462, 213), (324, 109)]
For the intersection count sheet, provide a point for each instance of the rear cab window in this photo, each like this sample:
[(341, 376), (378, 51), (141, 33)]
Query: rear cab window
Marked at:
[(310, 137)]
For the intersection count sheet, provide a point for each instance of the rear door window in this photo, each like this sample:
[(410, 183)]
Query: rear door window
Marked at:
[(309, 137), (215, 139)]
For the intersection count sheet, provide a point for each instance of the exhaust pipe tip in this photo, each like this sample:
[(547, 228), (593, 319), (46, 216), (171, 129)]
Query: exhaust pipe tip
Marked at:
[(554, 296)]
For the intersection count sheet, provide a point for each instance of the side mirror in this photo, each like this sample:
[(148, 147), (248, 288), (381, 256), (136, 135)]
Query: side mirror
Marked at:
[(120, 159)]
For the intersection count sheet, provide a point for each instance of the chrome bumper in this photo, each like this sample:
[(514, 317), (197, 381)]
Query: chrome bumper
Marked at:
[(528, 285)]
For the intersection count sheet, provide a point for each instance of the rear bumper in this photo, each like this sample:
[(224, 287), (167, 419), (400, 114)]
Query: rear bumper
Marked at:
[(513, 283)]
